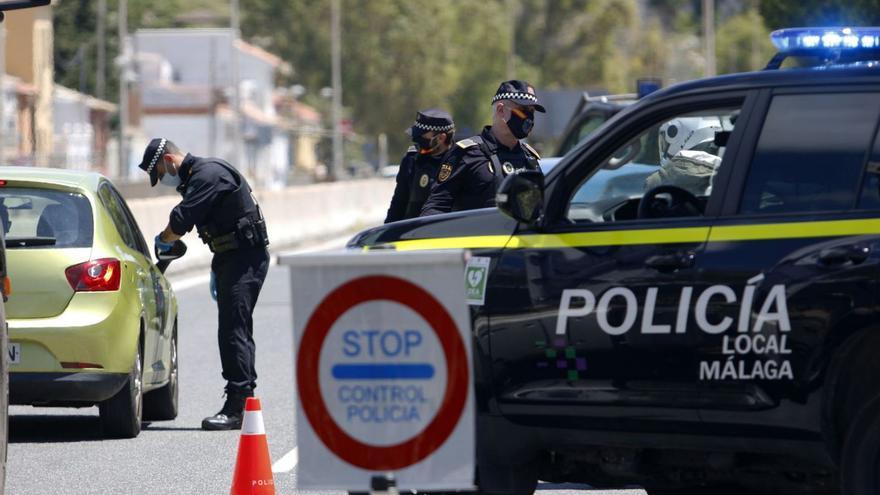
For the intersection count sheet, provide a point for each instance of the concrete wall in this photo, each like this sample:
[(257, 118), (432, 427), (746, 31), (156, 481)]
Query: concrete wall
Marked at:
[(294, 215)]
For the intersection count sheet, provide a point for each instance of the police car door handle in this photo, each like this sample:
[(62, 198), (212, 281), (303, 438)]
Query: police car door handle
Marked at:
[(841, 254), (671, 261)]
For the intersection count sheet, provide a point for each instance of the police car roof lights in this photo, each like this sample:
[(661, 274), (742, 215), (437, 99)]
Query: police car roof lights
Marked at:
[(827, 43)]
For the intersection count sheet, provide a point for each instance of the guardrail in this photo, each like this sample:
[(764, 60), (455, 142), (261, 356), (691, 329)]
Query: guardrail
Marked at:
[(295, 215)]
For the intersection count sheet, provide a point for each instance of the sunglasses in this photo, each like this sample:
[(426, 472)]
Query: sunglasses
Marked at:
[(523, 112)]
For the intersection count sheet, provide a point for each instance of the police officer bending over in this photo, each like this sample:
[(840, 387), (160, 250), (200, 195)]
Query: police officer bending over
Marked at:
[(217, 200), (432, 134), (474, 168)]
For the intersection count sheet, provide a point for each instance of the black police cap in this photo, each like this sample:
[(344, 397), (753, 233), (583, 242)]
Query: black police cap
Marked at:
[(519, 92), (432, 119), (151, 158)]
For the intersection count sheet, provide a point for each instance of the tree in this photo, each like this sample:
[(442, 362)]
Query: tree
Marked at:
[(780, 14), (743, 43)]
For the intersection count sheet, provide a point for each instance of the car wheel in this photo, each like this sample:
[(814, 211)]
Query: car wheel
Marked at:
[(161, 404), (846, 390), (121, 414), (860, 464)]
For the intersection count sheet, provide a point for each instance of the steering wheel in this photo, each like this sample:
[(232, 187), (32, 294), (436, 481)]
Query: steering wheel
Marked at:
[(681, 204)]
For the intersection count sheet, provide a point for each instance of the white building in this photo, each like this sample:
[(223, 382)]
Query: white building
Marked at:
[(81, 125), (187, 95)]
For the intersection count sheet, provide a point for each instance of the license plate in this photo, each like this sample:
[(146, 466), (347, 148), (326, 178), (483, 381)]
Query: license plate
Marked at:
[(14, 353)]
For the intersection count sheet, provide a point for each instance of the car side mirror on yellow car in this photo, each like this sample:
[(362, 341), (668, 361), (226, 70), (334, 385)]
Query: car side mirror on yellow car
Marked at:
[(521, 196), (166, 257)]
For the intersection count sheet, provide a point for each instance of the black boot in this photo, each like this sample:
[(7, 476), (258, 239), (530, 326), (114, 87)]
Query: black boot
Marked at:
[(229, 418)]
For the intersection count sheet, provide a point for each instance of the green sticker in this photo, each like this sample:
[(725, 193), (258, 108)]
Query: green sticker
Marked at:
[(476, 275)]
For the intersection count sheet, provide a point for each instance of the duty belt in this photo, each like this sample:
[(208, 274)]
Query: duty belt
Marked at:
[(248, 233)]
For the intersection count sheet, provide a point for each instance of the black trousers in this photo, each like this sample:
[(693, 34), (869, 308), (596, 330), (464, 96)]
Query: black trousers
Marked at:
[(240, 275)]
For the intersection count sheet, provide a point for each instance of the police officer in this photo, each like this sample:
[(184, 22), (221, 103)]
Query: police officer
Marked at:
[(217, 200), (474, 167), (432, 134)]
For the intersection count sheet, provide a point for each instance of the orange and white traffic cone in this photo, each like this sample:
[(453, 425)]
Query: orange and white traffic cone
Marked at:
[(253, 468)]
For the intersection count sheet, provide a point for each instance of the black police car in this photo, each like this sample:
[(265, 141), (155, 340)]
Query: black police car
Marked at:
[(722, 326)]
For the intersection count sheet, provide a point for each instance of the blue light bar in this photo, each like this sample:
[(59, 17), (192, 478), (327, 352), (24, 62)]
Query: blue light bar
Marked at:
[(817, 40)]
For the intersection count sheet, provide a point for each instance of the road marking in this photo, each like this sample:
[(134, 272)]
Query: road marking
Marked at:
[(286, 463)]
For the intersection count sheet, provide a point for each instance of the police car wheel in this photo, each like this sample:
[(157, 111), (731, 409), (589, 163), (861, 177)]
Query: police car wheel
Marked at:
[(846, 390), (860, 466)]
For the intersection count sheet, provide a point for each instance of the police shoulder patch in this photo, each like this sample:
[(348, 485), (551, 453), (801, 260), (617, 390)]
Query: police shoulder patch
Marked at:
[(466, 143), (411, 149), (444, 173), (530, 149)]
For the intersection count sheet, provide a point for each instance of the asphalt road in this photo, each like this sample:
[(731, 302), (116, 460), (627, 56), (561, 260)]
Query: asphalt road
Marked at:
[(61, 451)]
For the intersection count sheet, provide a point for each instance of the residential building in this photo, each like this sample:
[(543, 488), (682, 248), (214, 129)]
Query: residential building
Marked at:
[(187, 93), (29, 57)]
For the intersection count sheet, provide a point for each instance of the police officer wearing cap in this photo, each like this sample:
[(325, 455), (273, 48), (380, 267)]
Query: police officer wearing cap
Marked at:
[(218, 202), (474, 168), (432, 134)]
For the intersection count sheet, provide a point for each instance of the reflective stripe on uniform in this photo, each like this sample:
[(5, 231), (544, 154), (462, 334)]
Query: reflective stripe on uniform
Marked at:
[(752, 232)]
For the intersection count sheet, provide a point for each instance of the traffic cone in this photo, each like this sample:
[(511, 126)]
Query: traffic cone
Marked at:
[(253, 468)]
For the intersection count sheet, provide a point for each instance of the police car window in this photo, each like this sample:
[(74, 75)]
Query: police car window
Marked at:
[(811, 153), (683, 153), (870, 197)]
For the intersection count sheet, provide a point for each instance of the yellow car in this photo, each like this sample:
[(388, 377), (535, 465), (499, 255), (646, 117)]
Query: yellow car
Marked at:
[(92, 320)]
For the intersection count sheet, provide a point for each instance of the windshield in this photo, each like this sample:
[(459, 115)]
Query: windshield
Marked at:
[(45, 218)]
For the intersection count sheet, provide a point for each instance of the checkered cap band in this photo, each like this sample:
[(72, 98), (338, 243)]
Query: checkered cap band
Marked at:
[(437, 128), (515, 96), (159, 150)]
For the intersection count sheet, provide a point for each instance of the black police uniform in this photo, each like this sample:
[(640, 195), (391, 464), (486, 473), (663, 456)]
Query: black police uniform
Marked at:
[(415, 178), (472, 171), (217, 200), (418, 168)]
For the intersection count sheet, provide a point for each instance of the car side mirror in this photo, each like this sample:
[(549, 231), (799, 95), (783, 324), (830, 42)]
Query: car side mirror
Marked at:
[(165, 258), (521, 196)]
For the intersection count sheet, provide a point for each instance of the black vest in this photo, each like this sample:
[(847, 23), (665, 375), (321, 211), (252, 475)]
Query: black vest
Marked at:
[(497, 167), (424, 174)]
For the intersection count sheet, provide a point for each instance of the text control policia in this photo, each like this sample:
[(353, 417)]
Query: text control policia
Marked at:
[(706, 310)]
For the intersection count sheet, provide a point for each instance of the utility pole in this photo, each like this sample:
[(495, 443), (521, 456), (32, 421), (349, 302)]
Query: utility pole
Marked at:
[(2, 91), (511, 41), (236, 85), (709, 37), (100, 43), (336, 69), (125, 69)]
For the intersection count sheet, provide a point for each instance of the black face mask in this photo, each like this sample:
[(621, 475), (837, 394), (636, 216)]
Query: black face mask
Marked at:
[(520, 127)]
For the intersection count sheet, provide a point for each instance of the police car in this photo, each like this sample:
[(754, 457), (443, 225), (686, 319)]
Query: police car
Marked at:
[(711, 314)]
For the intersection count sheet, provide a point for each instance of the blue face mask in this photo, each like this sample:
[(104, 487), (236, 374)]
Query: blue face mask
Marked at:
[(168, 179)]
